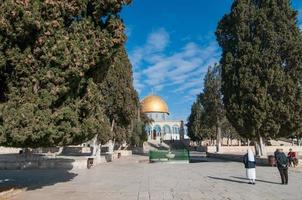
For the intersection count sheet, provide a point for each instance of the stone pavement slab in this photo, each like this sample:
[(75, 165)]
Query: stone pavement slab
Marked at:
[(129, 179)]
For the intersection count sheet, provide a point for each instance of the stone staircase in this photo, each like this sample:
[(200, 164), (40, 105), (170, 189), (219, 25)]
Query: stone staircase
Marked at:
[(175, 145), (154, 145)]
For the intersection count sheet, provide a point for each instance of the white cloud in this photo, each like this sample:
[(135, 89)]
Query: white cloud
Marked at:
[(136, 56), (181, 69), (158, 40), (128, 30), (190, 84)]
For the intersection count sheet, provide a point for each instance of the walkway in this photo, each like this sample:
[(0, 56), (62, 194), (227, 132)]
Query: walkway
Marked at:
[(134, 179)]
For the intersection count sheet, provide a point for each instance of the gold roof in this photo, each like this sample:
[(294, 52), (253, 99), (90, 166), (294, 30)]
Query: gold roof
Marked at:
[(154, 103)]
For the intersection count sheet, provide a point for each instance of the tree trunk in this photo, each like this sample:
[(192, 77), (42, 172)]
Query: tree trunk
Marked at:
[(260, 147), (61, 149), (111, 146), (112, 125), (96, 146), (257, 148), (27, 153), (218, 140)]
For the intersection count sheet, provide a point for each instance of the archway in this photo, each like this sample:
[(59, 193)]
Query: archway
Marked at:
[(156, 131)]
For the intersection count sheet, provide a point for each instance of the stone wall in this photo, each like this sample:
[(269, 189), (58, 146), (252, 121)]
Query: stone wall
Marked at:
[(72, 157), (239, 158), (243, 149), (8, 150), (236, 158)]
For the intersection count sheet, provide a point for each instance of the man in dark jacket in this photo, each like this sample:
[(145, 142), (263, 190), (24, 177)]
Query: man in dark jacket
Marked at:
[(282, 165)]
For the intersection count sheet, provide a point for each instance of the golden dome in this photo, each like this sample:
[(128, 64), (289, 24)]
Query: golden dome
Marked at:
[(154, 103)]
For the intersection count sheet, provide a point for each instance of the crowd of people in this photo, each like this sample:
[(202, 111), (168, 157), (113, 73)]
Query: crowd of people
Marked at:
[(283, 162)]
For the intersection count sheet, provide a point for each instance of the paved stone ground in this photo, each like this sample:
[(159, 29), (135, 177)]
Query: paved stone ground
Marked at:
[(129, 179)]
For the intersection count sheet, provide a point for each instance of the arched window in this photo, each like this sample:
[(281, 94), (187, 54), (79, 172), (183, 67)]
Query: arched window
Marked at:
[(157, 129), (167, 129), (148, 129), (175, 129)]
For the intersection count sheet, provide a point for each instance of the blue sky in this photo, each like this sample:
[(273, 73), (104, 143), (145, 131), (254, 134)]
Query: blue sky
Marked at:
[(171, 43)]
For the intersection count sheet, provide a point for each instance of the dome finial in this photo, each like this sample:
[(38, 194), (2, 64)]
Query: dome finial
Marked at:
[(152, 92)]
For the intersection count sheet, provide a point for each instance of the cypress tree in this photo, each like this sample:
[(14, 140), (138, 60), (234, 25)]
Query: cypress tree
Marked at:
[(54, 56), (261, 68), (207, 119), (121, 103), (194, 124), (212, 101)]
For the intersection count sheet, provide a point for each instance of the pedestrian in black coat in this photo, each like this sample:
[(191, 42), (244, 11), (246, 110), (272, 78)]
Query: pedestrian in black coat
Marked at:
[(282, 165)]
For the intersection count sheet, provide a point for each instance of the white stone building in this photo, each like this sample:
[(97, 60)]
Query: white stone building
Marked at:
[(162, 128)]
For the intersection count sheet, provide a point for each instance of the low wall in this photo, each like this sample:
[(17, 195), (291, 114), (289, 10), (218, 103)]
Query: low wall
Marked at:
[(140, 151), (77, 151), (239, 158), (19, 162), (73, 158), (8, 150), (236, 158), (123, 153), (243, 149)]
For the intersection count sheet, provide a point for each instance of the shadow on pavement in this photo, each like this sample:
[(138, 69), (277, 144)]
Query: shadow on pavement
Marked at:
[(33, 179), (226, 179), (257, 180), (199, 157)]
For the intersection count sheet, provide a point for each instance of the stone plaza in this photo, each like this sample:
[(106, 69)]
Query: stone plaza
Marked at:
[(134, 178)]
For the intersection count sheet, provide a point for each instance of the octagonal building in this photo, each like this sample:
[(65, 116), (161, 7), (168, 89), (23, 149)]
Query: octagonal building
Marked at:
[(162, 127)]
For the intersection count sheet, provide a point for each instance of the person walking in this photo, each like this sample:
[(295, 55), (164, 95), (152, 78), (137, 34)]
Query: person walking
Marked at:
[(250, 166), (282, 165), (291, 158)]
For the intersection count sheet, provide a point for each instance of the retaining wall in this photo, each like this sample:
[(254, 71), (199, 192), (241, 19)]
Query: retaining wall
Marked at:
[(243, 149), (239, 158)]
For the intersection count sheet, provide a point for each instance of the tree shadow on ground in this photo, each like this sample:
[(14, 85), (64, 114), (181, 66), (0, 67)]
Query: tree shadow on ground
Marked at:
[(257, 180), (32, 179), (227, 179), (200, 159)]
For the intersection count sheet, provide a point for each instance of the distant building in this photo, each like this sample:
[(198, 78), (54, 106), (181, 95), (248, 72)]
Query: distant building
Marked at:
[(162, 127)]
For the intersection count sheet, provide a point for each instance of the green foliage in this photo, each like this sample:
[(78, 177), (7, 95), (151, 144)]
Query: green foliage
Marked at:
[(139, 134), (208, 113), (261, 68), (54, 56), (228, 131), (212, 97), (120, 100), (195, 131)]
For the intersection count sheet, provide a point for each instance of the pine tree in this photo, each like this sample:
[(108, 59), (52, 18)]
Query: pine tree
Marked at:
[(261, 68), (54, 55)]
